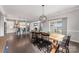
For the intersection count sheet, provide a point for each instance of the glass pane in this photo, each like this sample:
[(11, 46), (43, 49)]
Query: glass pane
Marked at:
[(56, 26)]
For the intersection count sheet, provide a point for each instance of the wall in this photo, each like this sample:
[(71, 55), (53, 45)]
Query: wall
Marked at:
[(10, 27), (45, 26), (32, 25), (2, 18), (1, 25), (72, 23)]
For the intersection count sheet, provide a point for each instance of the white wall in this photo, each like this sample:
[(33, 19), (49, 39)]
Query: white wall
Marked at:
[(2, 18), (1, 24), (32, 25), (10, 27), (45, 26), (72, 23)]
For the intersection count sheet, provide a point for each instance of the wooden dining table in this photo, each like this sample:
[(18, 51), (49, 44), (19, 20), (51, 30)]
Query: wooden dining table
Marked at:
[(55, 38)]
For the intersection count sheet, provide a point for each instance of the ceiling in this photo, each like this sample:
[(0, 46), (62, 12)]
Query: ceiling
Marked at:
[(31, 12)]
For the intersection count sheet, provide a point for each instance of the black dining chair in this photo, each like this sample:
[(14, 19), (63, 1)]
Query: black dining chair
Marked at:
[(45, 45), (64, 45), (33, 37)]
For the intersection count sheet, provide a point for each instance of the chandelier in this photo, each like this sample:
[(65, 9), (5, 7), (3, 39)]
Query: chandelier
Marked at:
[(42, 18)]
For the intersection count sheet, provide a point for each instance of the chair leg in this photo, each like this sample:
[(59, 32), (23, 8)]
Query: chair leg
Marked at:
[(67, 50)]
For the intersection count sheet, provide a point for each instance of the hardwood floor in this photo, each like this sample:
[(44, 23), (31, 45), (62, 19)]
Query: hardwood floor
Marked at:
[(2, 44), (22, 44)]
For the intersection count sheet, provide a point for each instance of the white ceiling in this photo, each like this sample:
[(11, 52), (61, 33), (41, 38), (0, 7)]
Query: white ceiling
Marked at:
[(32, 11)]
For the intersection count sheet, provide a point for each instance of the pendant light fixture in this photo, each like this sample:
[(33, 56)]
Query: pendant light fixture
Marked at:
[(42, 18)]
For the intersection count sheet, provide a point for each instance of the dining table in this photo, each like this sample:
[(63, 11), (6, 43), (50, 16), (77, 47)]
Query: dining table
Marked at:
[(55, 38)]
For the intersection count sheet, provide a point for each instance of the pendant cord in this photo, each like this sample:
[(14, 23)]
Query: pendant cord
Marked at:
[(42, 9)]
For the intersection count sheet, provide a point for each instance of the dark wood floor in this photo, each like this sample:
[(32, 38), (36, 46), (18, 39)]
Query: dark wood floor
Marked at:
[(74, 47), (22, 44), (2, 43)]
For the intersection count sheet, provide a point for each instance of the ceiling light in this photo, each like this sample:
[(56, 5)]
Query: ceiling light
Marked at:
[(42, 18)]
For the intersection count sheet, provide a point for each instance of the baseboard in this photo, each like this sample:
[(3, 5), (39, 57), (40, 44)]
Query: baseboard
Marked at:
[(1, 37), (74, 41)]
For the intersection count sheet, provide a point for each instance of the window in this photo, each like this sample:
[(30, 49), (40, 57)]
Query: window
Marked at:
[(57, 26)]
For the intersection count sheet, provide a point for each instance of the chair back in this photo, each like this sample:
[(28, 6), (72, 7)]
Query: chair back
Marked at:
[(68, 40), (33, 35), (65, 42)]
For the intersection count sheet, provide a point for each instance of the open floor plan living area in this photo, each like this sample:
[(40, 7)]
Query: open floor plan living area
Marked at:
[(39, 29)]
